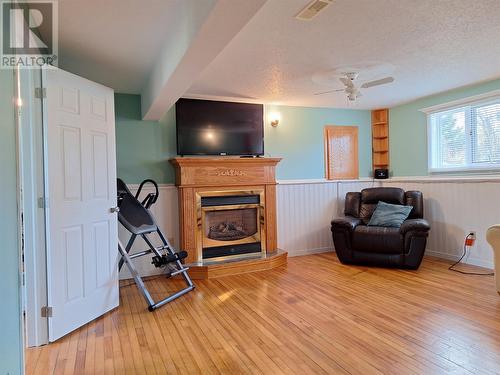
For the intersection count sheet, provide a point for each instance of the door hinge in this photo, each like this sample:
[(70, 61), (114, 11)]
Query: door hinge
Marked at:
[(40, 92), (43, 202), (46, 312)]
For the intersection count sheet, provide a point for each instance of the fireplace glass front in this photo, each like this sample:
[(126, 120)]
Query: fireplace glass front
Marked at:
[(231, 226)]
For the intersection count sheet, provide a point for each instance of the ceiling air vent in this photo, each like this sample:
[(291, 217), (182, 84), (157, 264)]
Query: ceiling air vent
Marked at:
[(313, 9)]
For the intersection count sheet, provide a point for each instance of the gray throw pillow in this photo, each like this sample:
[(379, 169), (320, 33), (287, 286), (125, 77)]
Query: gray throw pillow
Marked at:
[(389, 215)]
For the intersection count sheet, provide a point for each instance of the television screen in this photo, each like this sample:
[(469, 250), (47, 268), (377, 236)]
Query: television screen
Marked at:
[(206, 127)]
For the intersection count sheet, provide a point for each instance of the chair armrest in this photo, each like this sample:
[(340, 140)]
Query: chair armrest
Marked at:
[(494, 229), (346, 222), (419, 225), (493, 236)]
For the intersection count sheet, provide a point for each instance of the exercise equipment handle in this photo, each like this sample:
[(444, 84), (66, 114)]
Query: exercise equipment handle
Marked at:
[(151, 198)]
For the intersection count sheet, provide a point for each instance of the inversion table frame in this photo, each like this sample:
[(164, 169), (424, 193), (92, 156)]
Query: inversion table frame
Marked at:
[(137, 219)]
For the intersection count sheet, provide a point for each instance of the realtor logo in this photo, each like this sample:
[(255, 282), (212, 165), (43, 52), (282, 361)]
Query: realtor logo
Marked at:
[(29, 34)]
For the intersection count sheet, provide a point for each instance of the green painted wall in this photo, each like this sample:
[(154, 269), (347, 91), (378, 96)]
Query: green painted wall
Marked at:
[(298, 139), (408, 129), (10, 323), (144, 147)]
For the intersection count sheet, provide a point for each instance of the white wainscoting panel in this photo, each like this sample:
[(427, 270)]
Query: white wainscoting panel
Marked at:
[(453, 207), (304, 212)]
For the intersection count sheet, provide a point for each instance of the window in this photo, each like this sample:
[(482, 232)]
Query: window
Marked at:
[(465, 137)]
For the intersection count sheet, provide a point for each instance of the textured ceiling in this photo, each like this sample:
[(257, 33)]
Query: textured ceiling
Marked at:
[(433, 46)]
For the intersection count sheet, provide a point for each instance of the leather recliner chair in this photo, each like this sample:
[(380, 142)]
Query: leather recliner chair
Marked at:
[(357, 243)]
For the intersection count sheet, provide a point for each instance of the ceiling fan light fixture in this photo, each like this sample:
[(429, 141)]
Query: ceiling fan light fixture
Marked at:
[(352, 75), (349, 79)]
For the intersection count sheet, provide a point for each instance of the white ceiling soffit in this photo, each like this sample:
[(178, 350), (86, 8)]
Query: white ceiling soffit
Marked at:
[(185, 55), (433, 46)]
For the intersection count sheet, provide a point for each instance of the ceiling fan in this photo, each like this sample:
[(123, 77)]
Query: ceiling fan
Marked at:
[(351, 89)]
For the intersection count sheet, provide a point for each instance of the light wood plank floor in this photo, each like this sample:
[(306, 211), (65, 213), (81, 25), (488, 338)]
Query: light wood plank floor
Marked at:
[(315, 316)]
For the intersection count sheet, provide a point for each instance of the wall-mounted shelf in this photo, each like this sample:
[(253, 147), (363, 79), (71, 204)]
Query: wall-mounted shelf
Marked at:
[(380, 139)]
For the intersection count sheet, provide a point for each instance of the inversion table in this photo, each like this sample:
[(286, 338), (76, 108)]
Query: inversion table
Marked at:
[(136, 217)]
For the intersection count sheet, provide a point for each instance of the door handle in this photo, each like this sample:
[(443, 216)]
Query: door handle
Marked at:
[(114, 209)]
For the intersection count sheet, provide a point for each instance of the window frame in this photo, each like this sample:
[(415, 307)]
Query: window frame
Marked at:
[(469, 102)]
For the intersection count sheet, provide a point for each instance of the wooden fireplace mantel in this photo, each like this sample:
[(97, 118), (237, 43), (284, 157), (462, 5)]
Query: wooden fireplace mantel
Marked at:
[(196, 176), (224, 171)]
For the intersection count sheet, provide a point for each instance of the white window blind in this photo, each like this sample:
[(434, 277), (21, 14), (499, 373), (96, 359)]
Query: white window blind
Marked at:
[(465, 137)]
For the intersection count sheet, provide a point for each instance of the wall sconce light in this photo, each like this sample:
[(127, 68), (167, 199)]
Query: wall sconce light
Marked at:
[(274, 119)]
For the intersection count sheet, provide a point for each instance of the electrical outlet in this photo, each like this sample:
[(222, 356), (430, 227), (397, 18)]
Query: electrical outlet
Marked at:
[(171, 241), (470, 239)]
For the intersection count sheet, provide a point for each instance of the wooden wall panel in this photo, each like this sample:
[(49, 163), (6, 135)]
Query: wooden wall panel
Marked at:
[(187, 216), (271, 222), (341, 152), (224, 171)]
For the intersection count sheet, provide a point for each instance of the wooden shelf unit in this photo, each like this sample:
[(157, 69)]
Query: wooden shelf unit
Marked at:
[(380, 138)]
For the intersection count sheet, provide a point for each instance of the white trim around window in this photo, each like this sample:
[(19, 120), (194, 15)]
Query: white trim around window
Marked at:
[(461, 102), (464, 135)]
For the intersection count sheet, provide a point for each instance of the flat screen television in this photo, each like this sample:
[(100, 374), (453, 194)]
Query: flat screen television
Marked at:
[(206, 127)]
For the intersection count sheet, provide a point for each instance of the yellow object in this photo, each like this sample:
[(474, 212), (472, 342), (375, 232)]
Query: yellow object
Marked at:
[(493, 238)]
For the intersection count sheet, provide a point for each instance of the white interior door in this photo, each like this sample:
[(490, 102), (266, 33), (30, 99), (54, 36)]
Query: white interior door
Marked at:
[(82, 253)]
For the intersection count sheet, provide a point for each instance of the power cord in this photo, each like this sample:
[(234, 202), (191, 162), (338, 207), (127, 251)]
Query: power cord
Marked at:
[(464, 253)]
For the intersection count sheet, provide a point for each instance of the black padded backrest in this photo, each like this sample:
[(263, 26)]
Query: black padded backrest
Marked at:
[(352, 202), (133, 215), (371, 196), (415, 199)]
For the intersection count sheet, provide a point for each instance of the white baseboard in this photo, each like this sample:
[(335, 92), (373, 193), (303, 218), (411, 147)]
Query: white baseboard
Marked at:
[(452, 257), (468, 260), (298, 253)]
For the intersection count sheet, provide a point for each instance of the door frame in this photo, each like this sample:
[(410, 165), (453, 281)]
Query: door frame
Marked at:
[(33, 205)]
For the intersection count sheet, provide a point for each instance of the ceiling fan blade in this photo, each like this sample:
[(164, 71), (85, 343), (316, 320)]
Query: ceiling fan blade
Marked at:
[(346, 81), (377, 82), (328, 92)]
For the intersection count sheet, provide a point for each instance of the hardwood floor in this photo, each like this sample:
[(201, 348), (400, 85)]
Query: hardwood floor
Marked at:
[(314, 316)]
